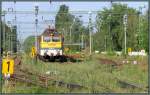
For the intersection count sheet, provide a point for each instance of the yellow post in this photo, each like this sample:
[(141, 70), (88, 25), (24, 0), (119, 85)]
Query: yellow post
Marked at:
[(129, 50), (33, 53)]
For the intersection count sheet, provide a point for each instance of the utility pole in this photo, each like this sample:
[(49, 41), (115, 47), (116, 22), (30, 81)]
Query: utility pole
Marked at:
[(139, 28), (71, 29), (82, 40), (110, 41), (15, 29), (36, 22), (125, 32), (105, 43), (9, 36), (0, 43), (110, 28), (139, 34), (90, 34), (4, 31), (0, 30)]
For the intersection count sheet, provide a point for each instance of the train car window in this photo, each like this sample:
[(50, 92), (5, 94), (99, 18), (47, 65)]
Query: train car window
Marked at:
[(56, 39), (46, 39)]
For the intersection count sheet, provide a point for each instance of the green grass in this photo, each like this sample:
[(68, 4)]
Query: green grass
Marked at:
[(90, 73)]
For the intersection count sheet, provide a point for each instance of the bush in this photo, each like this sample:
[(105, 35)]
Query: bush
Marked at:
[(111, 53)]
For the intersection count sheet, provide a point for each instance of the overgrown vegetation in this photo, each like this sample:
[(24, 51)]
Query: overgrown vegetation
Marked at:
[(9, 38), (69, 24), (28, 44), (110, 34), (97, 77), (91, 73)]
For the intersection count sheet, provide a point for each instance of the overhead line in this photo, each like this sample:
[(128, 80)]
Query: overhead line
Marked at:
[(54, 12), (65, 0)]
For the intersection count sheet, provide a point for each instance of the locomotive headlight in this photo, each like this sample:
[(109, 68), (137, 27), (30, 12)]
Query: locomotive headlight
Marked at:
[(51, 34)]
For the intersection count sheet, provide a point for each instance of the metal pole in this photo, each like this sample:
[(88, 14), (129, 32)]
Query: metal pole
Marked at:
[(82, 40), (125, 41), (36, 22), (90, 31), (70, 34), (140, 38), (139, 28), (11, 39), (105, 43), (110, 34), (81, 35), (125, 30), (4, 31), (0, 44), (0, 30), (9, 36), (71, 30), (36, 34), (15, 11), (110, 28)]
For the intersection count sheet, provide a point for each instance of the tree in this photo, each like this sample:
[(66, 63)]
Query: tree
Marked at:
[(28, 43), (9, 38), (63, 20), (144, 32), (66, 23), (111, 29)]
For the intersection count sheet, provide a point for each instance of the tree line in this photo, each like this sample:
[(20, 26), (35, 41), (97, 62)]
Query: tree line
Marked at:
[(110, 28), (9, 38), (109, 34)]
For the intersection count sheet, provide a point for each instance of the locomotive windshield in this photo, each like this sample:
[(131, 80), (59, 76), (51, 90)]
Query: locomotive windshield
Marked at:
[(56, 39), (52, 39), (47, 39)]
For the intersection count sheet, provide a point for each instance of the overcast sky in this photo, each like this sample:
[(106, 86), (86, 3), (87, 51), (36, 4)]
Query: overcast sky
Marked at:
[(28, 29)]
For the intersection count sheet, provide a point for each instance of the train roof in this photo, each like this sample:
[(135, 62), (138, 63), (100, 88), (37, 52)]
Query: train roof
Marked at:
[(48, 31)]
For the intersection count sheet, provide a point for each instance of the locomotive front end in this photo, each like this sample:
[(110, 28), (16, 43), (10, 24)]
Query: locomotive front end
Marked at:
[(51, 45)]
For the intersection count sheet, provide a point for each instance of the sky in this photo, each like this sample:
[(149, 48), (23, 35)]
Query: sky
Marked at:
[(25, 30)]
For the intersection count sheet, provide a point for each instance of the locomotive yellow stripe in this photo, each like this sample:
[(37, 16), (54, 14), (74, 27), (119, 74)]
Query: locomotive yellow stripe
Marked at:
[(50, 45)]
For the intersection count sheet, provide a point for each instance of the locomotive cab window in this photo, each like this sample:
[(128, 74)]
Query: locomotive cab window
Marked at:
[(47, 39), (56, 39)]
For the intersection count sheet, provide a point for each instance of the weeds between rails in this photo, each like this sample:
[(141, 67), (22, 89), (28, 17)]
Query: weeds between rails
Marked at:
[(43, 79), (24, 75), (123, 83)]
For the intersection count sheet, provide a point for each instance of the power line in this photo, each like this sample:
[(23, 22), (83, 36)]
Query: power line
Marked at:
[(55, 12)]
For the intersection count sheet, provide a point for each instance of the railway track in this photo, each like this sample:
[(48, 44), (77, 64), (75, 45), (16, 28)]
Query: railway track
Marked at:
[(123, 83), (46, 81), (24, 75)]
